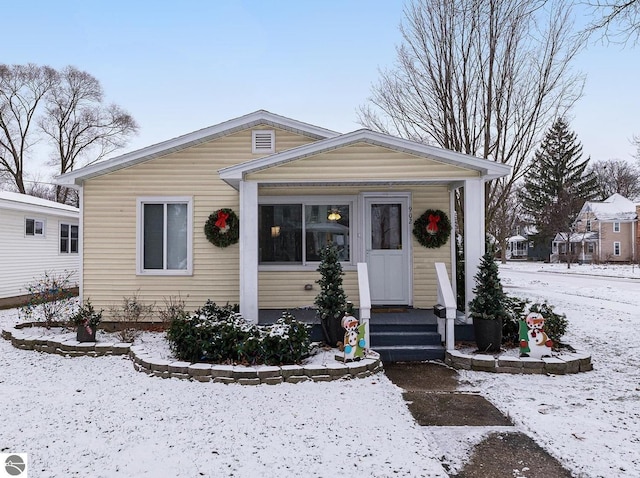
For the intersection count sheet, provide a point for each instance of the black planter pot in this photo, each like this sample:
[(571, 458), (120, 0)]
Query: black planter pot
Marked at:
[(488, 334), (82, 335)]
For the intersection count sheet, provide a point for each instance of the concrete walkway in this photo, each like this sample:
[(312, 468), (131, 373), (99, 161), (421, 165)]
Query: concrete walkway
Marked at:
[(431, 391)]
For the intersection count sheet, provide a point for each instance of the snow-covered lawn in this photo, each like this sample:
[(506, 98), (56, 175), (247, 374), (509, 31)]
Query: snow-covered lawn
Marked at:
[(98, 417), (589, 421)]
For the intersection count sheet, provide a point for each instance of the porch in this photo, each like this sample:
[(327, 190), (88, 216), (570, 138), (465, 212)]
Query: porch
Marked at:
[(398, 334)]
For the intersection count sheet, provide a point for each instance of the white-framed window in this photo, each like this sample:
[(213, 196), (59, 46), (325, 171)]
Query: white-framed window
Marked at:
[(588, 226), (590, 248), (68, 238), (165, 235), (33, 227), (263, 141), (293, 231), (616, 227), (616, 248)]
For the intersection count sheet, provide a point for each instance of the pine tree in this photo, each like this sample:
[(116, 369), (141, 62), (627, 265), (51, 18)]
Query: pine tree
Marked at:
[(489, 306), (557, 184), (331, 302), (490, 300)]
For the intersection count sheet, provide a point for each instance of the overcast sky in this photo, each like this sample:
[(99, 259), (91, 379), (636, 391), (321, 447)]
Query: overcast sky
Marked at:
[(178, 66)]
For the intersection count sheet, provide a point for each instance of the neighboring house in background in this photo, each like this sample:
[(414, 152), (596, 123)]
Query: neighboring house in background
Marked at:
[(295, 187), (37, 236), (525, 245), (604, 231)]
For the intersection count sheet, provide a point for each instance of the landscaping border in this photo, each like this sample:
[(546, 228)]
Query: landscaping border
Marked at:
[(143, 361), (561, 364)]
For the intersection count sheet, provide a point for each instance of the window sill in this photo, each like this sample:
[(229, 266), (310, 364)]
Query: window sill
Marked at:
[(300, 267)]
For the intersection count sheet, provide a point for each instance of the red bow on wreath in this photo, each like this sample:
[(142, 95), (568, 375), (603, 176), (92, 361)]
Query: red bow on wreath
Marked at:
[(222, 220), (432, 227)]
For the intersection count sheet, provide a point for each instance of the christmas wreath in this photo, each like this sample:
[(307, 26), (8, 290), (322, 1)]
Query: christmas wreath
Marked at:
[(432, 229), (222, 228)]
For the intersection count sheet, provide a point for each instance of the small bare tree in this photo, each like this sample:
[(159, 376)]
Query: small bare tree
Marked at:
[(505, 219), (617, 176), (78, 123)]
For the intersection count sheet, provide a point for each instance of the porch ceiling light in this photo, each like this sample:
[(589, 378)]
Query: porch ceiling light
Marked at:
[(334, 215), (275, 231)]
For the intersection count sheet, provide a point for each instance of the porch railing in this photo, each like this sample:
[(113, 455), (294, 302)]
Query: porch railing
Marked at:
[(446, 298), (365, 299)]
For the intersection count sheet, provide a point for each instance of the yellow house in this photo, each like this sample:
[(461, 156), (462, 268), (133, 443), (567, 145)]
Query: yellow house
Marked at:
[(294, 187)]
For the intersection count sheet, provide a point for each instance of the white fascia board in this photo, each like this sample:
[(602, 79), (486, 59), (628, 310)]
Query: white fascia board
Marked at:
[(192, 139), (488, 169), (39, 210)]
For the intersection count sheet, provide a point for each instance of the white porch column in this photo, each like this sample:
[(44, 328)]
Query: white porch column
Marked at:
[(474, 234), (249, 250)]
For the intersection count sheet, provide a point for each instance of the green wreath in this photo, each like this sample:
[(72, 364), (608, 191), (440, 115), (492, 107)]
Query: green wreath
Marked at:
[(432, 229), (222, 228)]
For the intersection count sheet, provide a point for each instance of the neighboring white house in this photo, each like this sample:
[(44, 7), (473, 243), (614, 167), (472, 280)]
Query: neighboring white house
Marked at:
[(36, 236)]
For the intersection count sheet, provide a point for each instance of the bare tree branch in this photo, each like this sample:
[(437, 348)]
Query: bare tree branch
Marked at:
[(617, 21)]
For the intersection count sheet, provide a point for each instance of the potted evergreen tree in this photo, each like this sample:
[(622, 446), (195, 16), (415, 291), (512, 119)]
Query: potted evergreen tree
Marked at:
[(86, 321), (489, 307), (331, 301)]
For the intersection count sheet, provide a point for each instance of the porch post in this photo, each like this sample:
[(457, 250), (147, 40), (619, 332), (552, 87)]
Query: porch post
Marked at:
[(474, 234), (249, 250)]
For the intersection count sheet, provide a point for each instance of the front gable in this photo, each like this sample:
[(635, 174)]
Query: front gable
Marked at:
[(361, 161)]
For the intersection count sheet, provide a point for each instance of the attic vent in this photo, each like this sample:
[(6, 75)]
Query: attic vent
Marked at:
[(264, 141)]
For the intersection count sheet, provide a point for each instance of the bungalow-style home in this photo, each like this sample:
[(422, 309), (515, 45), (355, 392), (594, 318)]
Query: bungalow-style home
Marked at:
[(294, 187), (604, 231), (37, 236)]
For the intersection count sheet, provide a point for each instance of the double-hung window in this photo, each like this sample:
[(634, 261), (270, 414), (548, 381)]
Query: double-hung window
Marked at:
[(616, 248), (165, 227), (616, 227), (68, 239), (33, 227), (296, 231)]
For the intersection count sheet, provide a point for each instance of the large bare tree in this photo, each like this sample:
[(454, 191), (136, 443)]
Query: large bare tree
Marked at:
[(482, 77), (79, 125), (22, 90), (67, 108)]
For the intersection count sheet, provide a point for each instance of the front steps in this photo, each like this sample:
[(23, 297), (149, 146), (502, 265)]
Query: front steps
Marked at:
[(406, 342)]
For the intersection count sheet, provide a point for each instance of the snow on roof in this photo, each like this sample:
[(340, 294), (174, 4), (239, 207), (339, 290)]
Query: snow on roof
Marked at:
[(577, 237), (24, 201), (517, 239), (615, 207)]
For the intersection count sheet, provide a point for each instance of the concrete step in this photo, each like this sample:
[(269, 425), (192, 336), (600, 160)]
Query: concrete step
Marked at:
[(410, 353), (402, 337)]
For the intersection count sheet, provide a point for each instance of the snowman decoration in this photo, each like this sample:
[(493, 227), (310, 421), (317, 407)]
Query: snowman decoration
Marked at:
[(354, 338), (534, 342)]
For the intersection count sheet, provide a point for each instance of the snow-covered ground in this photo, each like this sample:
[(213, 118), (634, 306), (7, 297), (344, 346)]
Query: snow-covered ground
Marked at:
[(589, 421), (98, 417)]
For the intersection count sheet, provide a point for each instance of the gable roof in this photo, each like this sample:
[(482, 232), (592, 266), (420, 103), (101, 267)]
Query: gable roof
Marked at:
[(488, 169), (260, 117), (32, 204), (616, 207)]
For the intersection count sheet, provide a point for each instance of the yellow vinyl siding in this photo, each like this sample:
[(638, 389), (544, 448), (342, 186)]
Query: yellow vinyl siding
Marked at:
[(361, 162), (109, 232)]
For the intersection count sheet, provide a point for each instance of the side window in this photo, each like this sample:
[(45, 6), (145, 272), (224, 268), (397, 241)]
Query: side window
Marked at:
[(616, 227), (165, 237), (68, 239), (616, 248), (33, 227)]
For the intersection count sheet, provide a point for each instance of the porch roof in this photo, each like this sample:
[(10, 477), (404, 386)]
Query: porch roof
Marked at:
[(577, 237), (485, 168)]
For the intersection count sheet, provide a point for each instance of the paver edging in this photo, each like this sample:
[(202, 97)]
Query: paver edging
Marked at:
[(565, 363), (145, 362)]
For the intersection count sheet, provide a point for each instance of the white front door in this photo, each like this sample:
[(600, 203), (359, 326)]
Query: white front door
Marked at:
[(387, 249)]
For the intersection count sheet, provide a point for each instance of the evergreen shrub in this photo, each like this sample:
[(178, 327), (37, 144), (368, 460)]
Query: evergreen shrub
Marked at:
[(220, 334)]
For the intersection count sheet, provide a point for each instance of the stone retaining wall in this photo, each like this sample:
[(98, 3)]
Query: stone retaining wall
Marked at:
[(558, 365), (144, 361)]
